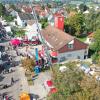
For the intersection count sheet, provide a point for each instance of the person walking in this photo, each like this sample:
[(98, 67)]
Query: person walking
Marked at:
[(12, 81)]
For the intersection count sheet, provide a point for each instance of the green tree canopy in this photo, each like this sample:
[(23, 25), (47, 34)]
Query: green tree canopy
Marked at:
[(4, 13), (75, 25), (2, 9), (28, 64), (20, 33), (8, 18), (83, 7), (44, 22), (92, 21), (96, 45), (74, 85)]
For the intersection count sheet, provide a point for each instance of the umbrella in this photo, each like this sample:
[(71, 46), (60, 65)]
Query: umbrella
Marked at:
[(24, 96), (15, 42), (49, 83), (54, 54), (52, 91)]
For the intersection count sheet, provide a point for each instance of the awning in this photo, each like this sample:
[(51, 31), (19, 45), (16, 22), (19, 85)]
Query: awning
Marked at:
[(54, 54)]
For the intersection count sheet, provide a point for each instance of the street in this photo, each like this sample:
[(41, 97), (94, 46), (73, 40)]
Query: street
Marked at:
[(13, 91), (20, 81)]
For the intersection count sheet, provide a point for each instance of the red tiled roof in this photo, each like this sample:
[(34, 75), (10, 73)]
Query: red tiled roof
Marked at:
[(91, 35), (55, 37)]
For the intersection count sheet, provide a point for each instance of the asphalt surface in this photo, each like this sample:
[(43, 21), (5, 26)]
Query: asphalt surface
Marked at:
[(12, 91)]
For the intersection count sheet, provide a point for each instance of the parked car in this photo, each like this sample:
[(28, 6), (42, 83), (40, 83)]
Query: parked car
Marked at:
[(85, 68)]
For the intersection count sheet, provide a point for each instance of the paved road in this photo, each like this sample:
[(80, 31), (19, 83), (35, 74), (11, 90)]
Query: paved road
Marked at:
[(20, 84)]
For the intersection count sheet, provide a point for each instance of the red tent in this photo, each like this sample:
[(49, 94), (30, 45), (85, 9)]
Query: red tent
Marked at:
[(15, 42), (54, 54), (52, 91), (49, 83)]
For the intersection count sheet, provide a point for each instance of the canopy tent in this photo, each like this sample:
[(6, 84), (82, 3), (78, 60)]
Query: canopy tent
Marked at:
[(53, 54), (24, 96), (52, 91), (15, 42), (49, 83)]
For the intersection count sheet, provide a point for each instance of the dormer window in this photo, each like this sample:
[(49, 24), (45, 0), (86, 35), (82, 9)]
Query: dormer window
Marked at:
[(70, 46)]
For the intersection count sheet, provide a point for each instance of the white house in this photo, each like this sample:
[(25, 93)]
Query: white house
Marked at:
[(32, 31), (67, 46), (22, 19)]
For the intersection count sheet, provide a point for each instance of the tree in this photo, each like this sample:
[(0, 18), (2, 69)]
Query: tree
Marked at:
[(74, 85), (92, 21), (8, 18), (28, 64), (96, 45), (67, 83), (75, 25), (4, 13), (48, 5), (17, 31), (13, 6), (43, 7), (2, 10), (20, 33), (44, 22), (83, 7)]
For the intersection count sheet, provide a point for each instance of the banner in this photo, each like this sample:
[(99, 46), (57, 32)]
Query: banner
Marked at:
[(36, 54)]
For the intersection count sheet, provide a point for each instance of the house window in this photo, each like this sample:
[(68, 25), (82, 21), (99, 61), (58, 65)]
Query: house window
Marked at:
[(69, 55), (70, 46), (78, 57)]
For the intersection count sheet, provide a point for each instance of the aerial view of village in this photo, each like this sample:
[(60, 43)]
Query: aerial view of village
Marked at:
[(49, 49)]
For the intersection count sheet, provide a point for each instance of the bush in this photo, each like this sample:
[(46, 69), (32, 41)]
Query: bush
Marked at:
[(28, 64)]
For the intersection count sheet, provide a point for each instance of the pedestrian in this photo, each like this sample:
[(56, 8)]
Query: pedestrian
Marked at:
[(6, 97), (12, 81)]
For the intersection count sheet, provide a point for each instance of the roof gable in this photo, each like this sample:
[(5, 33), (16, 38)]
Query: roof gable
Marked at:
[(78, 45)]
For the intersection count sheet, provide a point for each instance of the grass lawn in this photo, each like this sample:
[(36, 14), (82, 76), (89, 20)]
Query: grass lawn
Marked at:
[(82, 39)]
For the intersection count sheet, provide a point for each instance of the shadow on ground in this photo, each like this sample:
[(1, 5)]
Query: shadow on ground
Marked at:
[(1, 78), (34, 96)]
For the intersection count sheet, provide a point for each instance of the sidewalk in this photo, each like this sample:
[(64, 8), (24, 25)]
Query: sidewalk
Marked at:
[(38, 88), (23, 80)]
